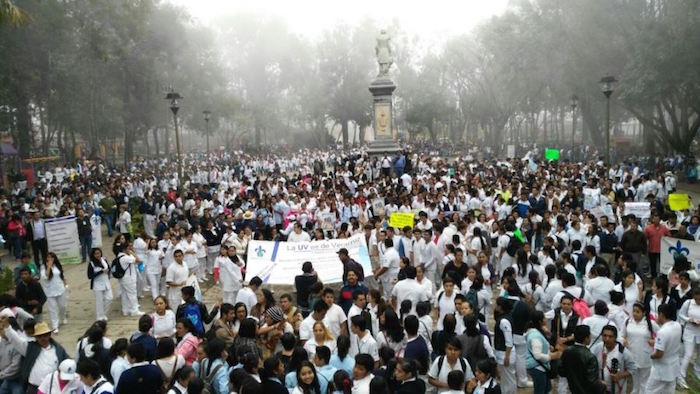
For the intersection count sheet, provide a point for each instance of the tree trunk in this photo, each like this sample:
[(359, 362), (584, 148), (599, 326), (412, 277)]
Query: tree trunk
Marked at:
[(155, 141), (344, 132), (24, 126), (166, 140)]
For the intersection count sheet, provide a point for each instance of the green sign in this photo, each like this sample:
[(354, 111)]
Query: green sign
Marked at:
[(551, 154)]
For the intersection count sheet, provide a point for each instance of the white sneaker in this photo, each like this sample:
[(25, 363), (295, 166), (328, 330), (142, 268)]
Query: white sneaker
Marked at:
[(64, 322), (682, 383), (55, 332), (526, 384)]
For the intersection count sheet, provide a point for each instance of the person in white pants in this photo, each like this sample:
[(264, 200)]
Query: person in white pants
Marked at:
[(127, 284), (98, 273), (176, 277), (665, 358), (689, 317), (637, 333), (189, 247), (167, 246), (140, 248), (389, 269), (154, 268), (503, 346), (54, 285), (227, 269), (201, 253)]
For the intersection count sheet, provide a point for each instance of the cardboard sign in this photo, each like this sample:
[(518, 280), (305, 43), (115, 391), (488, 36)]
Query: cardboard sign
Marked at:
[(399, 220), (551, 154), (679, 201)]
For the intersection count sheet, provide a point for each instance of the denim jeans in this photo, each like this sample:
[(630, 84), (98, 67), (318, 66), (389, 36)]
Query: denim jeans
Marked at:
[(109, 222), (85, 246), (540, 381), (17, 243), (12, 387)]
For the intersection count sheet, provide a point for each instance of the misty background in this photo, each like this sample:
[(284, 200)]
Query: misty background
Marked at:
[(89, 77)]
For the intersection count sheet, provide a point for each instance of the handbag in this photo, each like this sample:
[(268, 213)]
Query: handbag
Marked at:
[(551, 372)]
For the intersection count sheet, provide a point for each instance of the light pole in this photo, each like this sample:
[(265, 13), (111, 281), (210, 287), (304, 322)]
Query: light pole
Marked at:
[(207, 116), (574, 104), (607, 86), (174, 98)]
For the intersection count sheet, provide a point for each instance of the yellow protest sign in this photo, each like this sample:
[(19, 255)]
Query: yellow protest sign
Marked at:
[(400, 220), (679, 201)]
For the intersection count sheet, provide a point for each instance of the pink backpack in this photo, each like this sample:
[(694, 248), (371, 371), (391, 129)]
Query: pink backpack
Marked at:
[(580, 306)]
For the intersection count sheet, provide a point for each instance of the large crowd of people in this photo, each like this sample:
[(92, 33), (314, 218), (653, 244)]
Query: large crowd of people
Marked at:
[(515, 274)]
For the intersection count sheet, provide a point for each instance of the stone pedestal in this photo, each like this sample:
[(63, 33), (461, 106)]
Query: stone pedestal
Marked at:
[(384, 143)]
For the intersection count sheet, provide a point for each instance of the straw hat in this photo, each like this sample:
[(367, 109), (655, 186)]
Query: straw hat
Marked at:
[(41, 328)]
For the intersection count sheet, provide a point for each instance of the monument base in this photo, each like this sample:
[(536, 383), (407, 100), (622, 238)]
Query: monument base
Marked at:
[(380, 148)]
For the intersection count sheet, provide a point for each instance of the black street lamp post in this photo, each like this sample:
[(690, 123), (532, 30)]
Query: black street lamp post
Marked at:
[(175, 98), (607, 86), (574, 104), (207, 116)]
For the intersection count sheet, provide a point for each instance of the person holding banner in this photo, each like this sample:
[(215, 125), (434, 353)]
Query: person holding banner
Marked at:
[(653, 233)]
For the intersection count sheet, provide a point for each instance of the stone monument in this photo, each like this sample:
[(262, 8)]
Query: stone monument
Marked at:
[(382, 89)]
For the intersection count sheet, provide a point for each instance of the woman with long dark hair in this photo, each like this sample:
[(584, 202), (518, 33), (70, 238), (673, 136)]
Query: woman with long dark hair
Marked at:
[(307, 379), (392, 335), (538, 356), (54, 284), (187, 340), (214, 366), (98, 273), (117, 354), (638, 335), (341, 360), (522, 267), (167, 360), (299, 355)]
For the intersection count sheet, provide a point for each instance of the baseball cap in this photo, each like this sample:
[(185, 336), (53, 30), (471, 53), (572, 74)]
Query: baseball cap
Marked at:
[(66, 370), (342, 251)]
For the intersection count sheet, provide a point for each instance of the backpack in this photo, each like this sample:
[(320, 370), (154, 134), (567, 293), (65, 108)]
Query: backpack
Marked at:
[(579, 305), (191, 311), (402, 251), (514, 244), (208, 379), (116, 269), (462, 363), (168, 381), (473, 300)]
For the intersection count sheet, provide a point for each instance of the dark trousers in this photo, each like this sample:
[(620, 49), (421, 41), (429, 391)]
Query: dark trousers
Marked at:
[(654, 260), (540, 381), (40, 246), (32, 389)]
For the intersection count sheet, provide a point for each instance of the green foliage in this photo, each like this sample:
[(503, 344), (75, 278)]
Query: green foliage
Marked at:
[(6, 280)]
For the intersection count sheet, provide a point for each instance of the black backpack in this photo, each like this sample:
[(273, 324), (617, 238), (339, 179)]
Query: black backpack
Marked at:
[(513, 245), (117, 269)]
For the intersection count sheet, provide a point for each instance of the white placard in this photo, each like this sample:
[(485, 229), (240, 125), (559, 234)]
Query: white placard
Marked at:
[(641, 210), (591, 198), (278, 263), (62, 237), (96, 224), (672, 246)]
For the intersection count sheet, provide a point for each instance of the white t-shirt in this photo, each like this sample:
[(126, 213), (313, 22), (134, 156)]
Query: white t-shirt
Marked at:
[(334, 318), (409, 289), (446, 368), (445, 304), (668, 340)]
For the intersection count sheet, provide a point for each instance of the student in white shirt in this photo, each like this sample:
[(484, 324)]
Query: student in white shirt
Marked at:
[(227, 270), (362, 373), (98, 273), (176, 278), (451, 361), (638, 335), (484, 380), (445, 301), (665, 358), (599, 285), (408, 289), (93, 382), (362, 341), (154, 267), (689, 318), (597, 321), (247, 295)]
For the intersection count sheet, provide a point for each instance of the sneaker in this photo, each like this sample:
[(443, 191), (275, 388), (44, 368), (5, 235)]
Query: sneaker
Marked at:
[(64, 322), (682, 383), (55, 332), (526, 384)]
